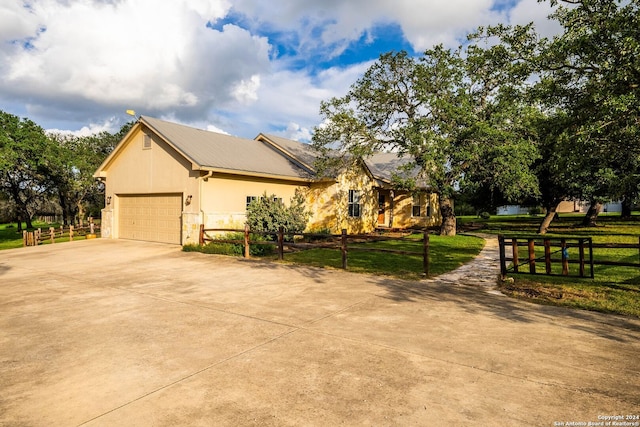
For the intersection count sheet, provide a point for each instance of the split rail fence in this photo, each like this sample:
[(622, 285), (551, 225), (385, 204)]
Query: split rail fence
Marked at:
[(37, 237), (554, 251), (343, 242)]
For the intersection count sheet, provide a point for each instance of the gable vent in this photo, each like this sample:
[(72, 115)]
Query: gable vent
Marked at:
[(146, 142)]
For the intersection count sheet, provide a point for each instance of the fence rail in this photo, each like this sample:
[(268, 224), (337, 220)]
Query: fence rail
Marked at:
[(330, 241), (557, 245), (37, 237)]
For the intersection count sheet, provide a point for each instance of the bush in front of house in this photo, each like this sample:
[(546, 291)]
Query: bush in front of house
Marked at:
[(269, 213), (233, 249)]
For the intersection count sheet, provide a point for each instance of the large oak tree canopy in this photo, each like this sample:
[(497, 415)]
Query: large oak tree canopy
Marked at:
[(458, 115)]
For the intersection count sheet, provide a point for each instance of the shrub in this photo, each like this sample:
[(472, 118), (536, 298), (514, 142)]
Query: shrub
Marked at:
[(232, 249), (268, 214)]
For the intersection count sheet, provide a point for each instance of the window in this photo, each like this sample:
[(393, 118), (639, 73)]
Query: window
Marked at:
[(354, 203), (418, 200), (146, 142), (250, 199)]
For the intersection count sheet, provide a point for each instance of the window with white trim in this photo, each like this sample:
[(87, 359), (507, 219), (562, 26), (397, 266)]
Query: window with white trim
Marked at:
[(354, 203), (418, 201)]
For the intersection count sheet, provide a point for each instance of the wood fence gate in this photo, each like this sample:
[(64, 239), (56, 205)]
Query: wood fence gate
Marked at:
[(545, 250)]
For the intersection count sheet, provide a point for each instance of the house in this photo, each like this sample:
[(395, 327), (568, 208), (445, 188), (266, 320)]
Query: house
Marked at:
[(566, 206), (165, 179)]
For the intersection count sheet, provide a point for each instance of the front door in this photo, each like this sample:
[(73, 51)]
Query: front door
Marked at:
[(381, 208)]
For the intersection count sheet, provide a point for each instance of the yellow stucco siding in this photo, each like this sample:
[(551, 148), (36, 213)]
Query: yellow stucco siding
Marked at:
[(403, 211), (158, 169), (329, 203), (224, 197), (155, 168)]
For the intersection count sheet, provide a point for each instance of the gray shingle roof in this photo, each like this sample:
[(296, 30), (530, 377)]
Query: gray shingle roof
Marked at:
[(301, 151), (211, 150)]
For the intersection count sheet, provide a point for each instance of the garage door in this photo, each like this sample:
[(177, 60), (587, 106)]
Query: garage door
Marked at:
[(151, 217)]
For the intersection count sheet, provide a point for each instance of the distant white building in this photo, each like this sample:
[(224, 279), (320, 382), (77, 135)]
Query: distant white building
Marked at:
[(513, 210), (568, 206)]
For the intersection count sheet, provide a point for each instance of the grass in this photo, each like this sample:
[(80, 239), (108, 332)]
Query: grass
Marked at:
[(613, 290), (11, 239), (446, 254), (9, 236)]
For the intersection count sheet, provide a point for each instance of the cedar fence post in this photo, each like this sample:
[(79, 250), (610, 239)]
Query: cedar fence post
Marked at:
[(532, 257), (591, 256), (247, 249), (201, 237), (52, 233), (71, 233), (343, 248), (514, 248), (281, 243), (565, 257), (581, 252), (425, 253), (24, 238), (503, 261), (547, 255)]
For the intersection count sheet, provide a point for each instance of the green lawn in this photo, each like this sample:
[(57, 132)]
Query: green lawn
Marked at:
[(10, 238), (446, 254), (614, 289)]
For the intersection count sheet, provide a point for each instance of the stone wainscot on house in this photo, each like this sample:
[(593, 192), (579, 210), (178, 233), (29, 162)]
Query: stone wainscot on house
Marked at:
[(164, 179)]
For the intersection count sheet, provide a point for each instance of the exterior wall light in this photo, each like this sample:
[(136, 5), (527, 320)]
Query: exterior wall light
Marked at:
[(187, 202), (108, 200)]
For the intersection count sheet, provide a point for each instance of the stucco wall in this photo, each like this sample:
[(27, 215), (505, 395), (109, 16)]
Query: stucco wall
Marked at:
[(402, 215), (224, 197), (158, 169), (329, 203)]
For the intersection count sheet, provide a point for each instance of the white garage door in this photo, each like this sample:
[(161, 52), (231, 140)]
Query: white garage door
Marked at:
[(151, 217)]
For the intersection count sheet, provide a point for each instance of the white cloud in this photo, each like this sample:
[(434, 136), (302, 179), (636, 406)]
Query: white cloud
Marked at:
[(424, 22), (138, 53), (110, 125), (69, 63), (245, 91), (531, 11)]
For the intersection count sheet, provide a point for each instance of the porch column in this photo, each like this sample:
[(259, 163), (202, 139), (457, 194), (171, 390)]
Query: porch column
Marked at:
[(391, 198)]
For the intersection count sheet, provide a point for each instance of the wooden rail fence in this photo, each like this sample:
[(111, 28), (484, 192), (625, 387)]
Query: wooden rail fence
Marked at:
[(36, 237), (326, 241), (557, 245)]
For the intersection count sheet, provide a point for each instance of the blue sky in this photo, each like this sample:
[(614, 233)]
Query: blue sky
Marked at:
[(235, 66)]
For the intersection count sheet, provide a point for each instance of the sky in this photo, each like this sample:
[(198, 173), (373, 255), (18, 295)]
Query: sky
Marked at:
[(240, 67)]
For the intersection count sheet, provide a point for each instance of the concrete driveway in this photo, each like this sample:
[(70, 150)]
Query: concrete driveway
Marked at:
[(106, 333)]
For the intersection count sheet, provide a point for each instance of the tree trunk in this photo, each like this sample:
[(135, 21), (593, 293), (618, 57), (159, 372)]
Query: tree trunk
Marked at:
[(66, 212), (546, 222), (80, 211), (626, 208), (448, 227), (28, 220), (591, 217)]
